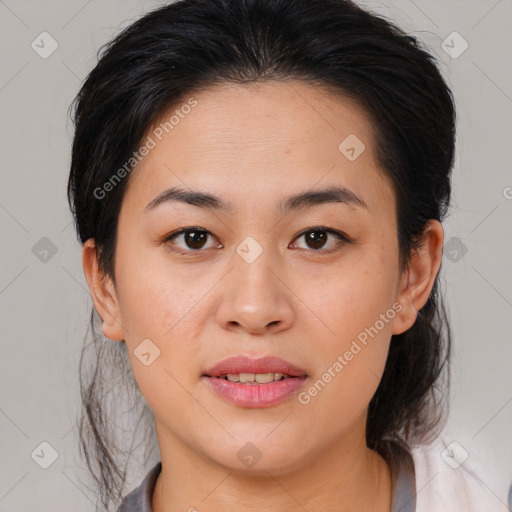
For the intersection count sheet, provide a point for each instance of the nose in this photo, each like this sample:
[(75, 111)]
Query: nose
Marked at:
[(255, 299)]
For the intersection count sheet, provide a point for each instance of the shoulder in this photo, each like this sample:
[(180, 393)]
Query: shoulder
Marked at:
[(450, 477), (139, 500)]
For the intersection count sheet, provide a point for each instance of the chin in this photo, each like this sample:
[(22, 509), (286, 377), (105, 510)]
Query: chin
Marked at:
[(260, 457)]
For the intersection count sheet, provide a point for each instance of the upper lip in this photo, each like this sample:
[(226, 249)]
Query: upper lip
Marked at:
[(246, 364)]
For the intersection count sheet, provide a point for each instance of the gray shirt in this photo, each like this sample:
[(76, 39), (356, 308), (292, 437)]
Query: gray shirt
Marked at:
[(403, 484)]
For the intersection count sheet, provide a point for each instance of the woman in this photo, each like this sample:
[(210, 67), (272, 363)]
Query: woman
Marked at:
[(259, 187)]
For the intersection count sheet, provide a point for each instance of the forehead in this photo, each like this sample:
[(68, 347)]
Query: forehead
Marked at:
[(261, 140)]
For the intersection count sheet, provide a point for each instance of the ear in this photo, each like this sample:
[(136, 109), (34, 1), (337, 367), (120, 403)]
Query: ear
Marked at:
[(418, 279), (102, 292)]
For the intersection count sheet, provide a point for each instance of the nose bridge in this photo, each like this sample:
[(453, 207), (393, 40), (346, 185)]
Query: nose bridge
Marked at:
[(254, 296), (254, 275)]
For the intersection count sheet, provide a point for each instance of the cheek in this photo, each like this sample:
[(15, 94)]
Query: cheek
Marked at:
[(362, 331), (350, 369), (155, 308), (353, 300), (161, 307), (155, 298), (357, 307)]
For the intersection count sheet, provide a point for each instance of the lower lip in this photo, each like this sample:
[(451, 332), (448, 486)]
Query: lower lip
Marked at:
[(256, 395)]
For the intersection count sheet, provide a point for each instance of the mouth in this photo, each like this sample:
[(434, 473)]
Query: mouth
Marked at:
[(247, 370), (248, 382), (254, 378)]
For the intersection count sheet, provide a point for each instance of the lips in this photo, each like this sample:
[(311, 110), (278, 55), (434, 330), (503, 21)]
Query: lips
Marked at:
[(245, 364), (255, 394)]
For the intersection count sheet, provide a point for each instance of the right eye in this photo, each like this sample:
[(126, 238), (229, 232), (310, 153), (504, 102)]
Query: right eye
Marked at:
[(193, 238)]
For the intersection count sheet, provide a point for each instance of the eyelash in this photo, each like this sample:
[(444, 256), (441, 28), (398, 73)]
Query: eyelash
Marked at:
[(344, 238)]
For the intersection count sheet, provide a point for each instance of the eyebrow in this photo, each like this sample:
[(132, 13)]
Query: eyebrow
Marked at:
[(301, 201)]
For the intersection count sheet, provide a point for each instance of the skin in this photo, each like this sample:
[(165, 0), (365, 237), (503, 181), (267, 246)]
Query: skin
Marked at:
[(253, 146)]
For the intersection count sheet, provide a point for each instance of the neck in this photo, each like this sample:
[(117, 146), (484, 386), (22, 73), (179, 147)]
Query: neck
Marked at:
[(343, 477)]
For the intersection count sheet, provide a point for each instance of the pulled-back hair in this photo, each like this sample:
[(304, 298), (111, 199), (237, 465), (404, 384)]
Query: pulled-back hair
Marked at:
[(190, 45)]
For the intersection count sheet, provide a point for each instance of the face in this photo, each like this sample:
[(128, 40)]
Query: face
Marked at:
[(315, 282)]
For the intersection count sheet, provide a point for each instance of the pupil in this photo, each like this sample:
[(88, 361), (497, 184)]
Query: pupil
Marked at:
[(195, 239), (316, 238)]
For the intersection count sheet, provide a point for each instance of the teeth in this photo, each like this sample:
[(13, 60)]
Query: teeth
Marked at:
[(253, 378), (263, 378)]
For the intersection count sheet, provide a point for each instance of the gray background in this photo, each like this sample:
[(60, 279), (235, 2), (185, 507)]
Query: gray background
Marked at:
[(44, 299)]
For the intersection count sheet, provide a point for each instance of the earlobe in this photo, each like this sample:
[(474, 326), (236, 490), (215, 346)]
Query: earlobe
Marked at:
[(102, 292), (418, 280)]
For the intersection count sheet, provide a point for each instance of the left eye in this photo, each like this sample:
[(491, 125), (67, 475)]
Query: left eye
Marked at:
[(316, 238)]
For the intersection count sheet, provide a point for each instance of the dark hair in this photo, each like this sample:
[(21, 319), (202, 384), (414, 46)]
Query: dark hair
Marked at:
[(190, 45)]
